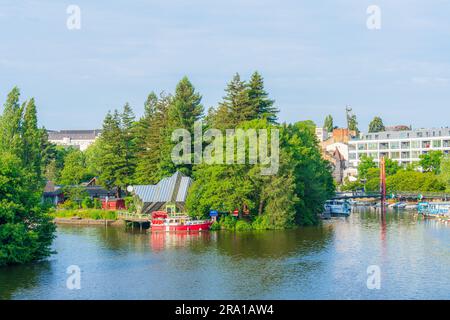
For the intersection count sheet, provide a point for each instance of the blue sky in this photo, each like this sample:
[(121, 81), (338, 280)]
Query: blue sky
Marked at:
[(316, 57)]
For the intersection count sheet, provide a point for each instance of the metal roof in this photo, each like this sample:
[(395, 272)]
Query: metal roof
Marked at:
[(170, 189)]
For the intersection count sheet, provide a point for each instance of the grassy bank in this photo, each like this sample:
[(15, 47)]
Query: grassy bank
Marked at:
[(95, 214)]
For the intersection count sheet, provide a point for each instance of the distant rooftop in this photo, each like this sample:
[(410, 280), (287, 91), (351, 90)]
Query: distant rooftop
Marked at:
[(416, 133), (74, 134)]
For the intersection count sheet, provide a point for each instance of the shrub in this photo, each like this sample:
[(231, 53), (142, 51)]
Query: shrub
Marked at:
[(69, 205), (228, 222), (242, 225), (215, 226), (97, 204), (261, 223), (87, 203)]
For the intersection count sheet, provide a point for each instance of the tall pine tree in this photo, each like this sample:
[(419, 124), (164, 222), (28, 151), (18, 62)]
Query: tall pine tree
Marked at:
[(259, 98)]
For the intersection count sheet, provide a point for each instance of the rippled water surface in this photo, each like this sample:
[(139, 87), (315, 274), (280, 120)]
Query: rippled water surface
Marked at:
[(326, 262)]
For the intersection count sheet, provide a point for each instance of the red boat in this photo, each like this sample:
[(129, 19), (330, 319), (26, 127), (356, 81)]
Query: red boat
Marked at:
[(161, 221)]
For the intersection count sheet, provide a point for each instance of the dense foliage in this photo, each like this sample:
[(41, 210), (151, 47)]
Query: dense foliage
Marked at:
[(26, 230), (376, 125), (430, 174)]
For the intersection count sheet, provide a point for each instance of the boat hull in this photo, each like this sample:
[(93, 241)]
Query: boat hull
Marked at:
[(181, 228)]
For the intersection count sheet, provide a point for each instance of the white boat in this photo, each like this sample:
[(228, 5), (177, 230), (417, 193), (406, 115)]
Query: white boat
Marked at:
[(435, 209), (337, 207), (398, 205), (411, 207)]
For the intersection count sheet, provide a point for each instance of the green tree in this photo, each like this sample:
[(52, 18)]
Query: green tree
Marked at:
[(26, 230), (117, 150), (236, 106), (11, 124), (364, 165), (431, 161), (353, 124), (185, 109), (444, 175), (376, 125), (152, 137), (259, 98), (75, 169), (328, 124)]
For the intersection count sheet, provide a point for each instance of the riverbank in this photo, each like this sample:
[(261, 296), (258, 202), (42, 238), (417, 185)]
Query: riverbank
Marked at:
[(88, 222)]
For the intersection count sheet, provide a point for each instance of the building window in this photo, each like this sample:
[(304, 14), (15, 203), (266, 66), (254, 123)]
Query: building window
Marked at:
[(395, 145), (351, 147), (415, 144), (384, 146), (395, 155), (415, 154), (405, 155), (362, 146), (373, 155), (373, 146), (436, 143), (405, 145), (446, 143), (352, 156), (426, 144)]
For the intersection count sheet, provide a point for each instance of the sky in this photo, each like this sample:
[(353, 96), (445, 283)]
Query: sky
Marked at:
[(316, 56)]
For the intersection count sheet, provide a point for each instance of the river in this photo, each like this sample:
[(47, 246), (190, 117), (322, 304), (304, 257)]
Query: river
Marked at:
[(330, 261)]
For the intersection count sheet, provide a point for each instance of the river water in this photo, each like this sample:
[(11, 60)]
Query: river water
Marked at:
[(331, 261)]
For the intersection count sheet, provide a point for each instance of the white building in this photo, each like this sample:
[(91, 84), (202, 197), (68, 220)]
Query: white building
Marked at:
[(402, 146), (80, 139), (321, 134)]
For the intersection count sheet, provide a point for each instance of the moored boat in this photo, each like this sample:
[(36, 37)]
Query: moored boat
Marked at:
[(162, 221), (434, 209), (337, 207)]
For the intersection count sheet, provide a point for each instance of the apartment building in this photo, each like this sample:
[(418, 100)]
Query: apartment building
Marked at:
[(403, 146)]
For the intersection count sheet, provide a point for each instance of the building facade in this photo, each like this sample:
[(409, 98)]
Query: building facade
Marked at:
[(402, 146), (80, 139)]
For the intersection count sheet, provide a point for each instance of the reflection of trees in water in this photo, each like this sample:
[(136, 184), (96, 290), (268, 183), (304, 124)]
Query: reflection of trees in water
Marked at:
[(274, 244), (13, 279)]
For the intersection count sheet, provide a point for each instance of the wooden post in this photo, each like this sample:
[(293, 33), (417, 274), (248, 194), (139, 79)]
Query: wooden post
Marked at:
[(383, 183)]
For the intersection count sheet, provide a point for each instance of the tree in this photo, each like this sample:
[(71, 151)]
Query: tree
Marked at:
[(11, 124), (431, 161), (75, 169), (236, 106), (152, 136), (32, 141), (376, 125), (353, 124), (391, 167), (328, 124), (364, 165), (26, 230), (184, 110), (117, 156), (259, 98), (444, 174), (305, 177)]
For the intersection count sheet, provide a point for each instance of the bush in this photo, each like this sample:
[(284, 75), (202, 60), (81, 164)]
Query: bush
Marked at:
[(97, 204), (68, 205), (261, 223), (242, 225), (129, 203), (94, 214), (87, 203), (215, 226), (228, 222)]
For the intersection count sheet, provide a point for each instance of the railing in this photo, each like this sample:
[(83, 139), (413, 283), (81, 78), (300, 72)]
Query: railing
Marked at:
[(132, 216)]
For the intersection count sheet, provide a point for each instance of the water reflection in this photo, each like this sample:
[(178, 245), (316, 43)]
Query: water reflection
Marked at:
[(20, 278), (324, 262)]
